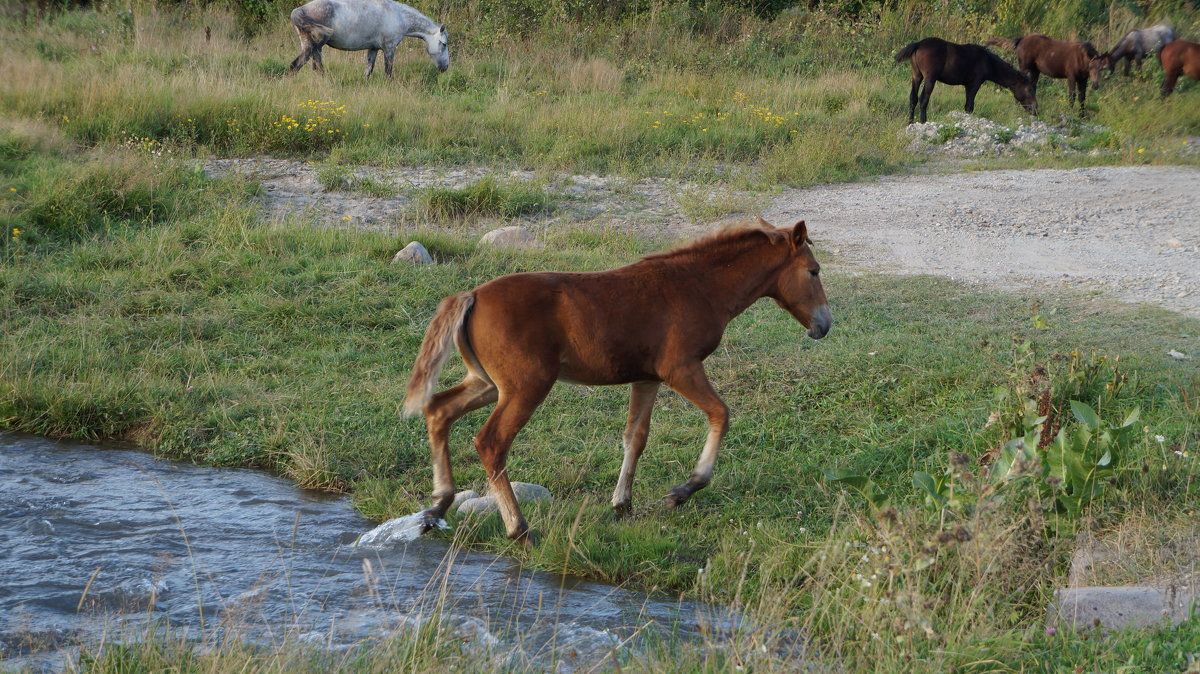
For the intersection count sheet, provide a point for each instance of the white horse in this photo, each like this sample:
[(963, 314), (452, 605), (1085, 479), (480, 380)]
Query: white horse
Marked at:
[(373, 25), (1136, 44)]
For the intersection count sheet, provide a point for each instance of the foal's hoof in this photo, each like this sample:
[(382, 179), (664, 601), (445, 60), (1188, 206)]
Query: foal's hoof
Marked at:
[(430, 520), (526, 538), (677, 496), (623, 509)]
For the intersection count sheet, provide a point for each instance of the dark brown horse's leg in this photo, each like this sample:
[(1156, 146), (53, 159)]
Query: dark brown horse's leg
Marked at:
[(371, 54), (972, 89), (494, 439), (637, 429), (692, 383), (912, 95), (926, 91), (441, 412), (1081, 91)]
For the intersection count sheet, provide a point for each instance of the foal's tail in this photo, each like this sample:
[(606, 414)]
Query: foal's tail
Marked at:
[(907, 52), (435, 349)]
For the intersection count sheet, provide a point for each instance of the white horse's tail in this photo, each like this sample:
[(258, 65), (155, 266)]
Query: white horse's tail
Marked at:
[(435, 349), (308, 26)]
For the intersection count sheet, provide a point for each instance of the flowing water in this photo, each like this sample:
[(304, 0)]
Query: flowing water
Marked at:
[(96, 539)]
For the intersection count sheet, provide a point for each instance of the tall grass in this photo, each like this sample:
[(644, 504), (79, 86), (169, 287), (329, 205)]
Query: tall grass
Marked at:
[(805, 97)]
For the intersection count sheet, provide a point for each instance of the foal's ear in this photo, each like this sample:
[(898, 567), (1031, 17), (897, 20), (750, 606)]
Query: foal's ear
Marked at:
[(800, 235), (764, 223)]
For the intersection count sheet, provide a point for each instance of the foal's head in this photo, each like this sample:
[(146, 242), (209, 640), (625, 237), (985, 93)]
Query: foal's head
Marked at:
[(798, 285)]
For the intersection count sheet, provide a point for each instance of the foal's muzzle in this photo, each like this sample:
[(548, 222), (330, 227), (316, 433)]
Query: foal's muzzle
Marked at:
[(822, 320)]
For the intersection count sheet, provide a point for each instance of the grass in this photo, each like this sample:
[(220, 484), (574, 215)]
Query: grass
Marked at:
[(142, 301), (486, 197), (763, 109), (209, 336)]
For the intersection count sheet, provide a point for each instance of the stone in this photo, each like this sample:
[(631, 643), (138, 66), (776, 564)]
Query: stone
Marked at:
[(413, 253), (510, 237), (529, 493), (524, 491), (1116, 608), (478, 506), (463, 496)]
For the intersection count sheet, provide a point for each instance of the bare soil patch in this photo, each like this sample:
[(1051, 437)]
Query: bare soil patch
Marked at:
[(1132, 233)]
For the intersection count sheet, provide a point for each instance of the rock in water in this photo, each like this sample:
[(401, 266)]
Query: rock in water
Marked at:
[(413, 253), (511, 237), (399, 530)]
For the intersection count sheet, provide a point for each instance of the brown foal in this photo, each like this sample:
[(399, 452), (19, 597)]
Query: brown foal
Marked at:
[(644, 324)]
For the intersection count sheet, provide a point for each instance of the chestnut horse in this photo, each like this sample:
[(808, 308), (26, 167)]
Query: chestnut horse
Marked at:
[(1179, 56), (969, 65), (1039, 55), (650, 322)]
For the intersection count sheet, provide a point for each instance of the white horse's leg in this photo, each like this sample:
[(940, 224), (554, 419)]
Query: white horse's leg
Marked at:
[(371, 54), (389, 53)]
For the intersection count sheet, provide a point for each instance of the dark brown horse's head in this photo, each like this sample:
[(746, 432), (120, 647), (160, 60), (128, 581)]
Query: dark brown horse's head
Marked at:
[(1096, 67), (1024, 92), (798, 286)]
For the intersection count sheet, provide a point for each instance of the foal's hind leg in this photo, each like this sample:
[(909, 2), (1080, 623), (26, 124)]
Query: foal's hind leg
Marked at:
[(494, 440), (441, 412), (637, 428), (692, 383)]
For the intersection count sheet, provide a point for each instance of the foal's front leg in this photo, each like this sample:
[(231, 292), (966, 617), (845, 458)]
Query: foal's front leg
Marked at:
[(637, 429), (692, 383)]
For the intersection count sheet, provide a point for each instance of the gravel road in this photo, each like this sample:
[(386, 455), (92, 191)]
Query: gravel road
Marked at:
[(1132, 232)]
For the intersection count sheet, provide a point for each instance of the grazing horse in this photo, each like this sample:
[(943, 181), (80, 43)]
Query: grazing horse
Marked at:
[(373, 25), (644, 324), (1039, 55), (969, 65), (1136, 44), (1179, 56)]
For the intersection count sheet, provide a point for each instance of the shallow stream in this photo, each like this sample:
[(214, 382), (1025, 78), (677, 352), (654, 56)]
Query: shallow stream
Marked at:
[(100, 541)]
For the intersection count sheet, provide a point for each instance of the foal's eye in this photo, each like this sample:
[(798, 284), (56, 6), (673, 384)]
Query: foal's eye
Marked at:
[(814, 272)]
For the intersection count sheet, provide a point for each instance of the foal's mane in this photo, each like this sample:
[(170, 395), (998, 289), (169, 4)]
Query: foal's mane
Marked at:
[(732, 236)]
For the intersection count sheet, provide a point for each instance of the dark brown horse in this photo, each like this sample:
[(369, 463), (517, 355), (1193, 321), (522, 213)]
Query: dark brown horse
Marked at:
[(1039, 55), (651, 322), (1179, 56), (969, 65)]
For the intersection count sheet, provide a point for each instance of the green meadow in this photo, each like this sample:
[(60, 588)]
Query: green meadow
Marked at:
[(871, 494)]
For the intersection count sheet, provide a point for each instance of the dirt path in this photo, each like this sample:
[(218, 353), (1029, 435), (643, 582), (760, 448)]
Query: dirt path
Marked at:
[(1131, 232)]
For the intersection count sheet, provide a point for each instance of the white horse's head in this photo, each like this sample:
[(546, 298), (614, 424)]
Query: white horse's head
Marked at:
[(438, 46)]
